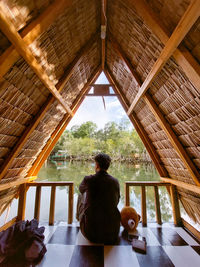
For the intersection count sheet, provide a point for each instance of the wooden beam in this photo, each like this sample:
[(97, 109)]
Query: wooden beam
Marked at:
[(9, 30), (103, 28), (146, 183), (189, 18), (182, 56), (49, 183), (32, 31), (60, 85), (8, 224), (37, 203), (192, 169), (191, 229), (22, 202), (190, 187), (52, 205), (143, 206), (138, 126), (17, 182), (157, 205), (175, 206), (70, 203), (62, 125)]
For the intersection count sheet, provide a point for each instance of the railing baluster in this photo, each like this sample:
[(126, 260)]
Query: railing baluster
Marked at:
[(127, 195), (157, 205), (143, 206), (22, 202), (70, 203), (175, 206), (52, 205), (37, 203)]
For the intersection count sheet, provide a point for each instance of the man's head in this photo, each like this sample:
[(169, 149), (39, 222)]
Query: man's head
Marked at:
[(102, 161)]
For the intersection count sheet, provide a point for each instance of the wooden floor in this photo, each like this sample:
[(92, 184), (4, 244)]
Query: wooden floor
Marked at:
[(166, 246)]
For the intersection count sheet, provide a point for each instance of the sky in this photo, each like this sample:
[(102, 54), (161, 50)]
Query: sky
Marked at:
[(92, 109)]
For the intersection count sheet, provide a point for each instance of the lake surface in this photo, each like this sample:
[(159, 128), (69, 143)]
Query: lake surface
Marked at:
[(75, 171)]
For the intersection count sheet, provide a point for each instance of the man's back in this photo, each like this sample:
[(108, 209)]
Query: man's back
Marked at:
[(101, 220)]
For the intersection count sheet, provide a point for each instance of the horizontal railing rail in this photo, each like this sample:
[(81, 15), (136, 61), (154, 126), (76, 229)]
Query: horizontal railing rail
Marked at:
[(155, 185), (39, 185)]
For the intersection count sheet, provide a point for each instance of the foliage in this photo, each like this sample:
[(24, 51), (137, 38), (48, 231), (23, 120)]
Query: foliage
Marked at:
[(115, 139)]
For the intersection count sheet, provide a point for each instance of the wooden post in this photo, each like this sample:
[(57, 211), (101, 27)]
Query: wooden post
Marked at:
[(37, 203), (52, 205), (157, 205), (175, 206), (70, 203), (22, 202), (127, 195), (143, 206)]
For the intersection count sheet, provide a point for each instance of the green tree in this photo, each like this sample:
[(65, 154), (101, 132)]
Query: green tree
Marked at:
[(87, 129)]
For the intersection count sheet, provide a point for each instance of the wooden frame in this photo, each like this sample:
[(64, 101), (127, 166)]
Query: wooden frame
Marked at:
[(103, 23), (61, 127), (9, 30), (67, 75), (8, 224), (191, 229), (17, 182), (183, 57), (188, 19), (32, 31), (139, 128)]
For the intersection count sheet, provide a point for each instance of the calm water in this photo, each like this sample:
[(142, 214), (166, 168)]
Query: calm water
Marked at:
[(75, 171)]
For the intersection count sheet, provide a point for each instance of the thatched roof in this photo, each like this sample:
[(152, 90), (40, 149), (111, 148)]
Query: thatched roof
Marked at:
[(62, 39)]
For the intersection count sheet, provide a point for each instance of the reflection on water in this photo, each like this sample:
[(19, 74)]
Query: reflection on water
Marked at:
[(75, 171)]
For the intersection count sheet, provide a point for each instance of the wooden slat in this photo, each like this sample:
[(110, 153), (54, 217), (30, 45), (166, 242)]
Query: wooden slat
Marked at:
[(157, 205), (48, 183), (61, 127), (22, 202), (9, 30), (191, 229), (8, 224), (103, 23), (146, 183), (70, 203), (190, 16), (139, 128), (143, 206), (60, 85), (182, 56), (173, 139), (127, 195), (17, 182), (37, 203), (32, 31), (190, 187), (175, 206), (52, 205)]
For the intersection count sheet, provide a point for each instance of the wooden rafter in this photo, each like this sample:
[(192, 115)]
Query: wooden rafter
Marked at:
[(9, 30), (182, 56), (188, 19), (173, 139), (103, 24), (31, 32), (139, 128), (190, 187), (65, 78), (62, 125)]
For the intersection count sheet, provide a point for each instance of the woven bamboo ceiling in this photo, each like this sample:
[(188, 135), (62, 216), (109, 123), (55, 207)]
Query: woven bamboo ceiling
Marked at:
[(51, 51)]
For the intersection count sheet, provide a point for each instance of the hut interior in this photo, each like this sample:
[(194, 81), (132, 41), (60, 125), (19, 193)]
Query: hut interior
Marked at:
[(51, 52)]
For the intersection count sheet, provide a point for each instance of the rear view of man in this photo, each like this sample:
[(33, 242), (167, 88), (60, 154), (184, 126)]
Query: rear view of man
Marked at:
[(100, 217)]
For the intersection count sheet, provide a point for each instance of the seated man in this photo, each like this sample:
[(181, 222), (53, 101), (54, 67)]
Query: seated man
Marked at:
[(99, 216)]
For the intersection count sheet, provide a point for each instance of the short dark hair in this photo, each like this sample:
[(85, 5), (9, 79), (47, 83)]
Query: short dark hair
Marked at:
[(103, 160)]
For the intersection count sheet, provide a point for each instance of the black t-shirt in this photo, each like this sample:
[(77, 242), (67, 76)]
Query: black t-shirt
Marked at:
[(101, 220)]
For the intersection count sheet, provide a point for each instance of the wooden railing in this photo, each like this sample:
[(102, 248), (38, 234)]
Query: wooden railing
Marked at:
[(155, 185), (39, 185)]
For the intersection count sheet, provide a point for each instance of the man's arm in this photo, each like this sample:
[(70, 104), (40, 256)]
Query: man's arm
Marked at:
[(84, 185)]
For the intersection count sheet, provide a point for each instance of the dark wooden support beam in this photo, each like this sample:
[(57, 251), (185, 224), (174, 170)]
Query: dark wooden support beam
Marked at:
[(103, 32)]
